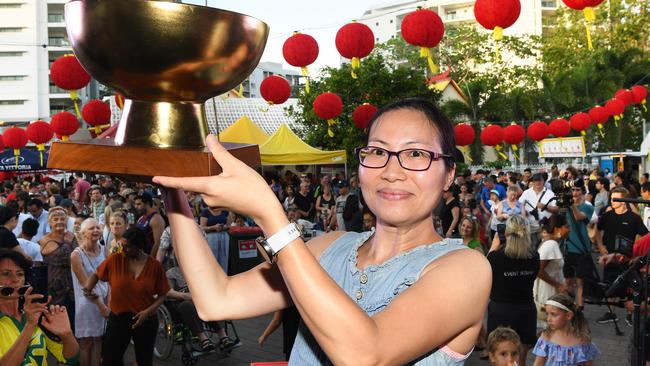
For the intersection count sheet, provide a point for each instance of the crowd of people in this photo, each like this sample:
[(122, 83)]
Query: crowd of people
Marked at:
[(105, 254)]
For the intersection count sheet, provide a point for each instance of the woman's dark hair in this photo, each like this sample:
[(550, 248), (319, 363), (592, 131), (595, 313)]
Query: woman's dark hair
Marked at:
[(19, 259), (549, 224), (439, 121), (135, 236), (7, 213)]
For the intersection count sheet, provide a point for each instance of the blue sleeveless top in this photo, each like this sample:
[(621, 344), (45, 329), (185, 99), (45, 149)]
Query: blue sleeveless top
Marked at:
[(373, 289)]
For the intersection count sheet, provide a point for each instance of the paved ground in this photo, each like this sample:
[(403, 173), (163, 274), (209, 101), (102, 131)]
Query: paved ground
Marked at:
[(614, 348)]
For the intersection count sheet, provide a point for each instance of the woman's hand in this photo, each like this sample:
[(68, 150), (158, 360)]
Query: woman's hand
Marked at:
[(140, 318), (33, 309), (238, 188), (56, 320)]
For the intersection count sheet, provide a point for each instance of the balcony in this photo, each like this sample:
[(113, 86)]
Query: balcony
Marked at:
[(58, 42), (55, 21), (549, 4)]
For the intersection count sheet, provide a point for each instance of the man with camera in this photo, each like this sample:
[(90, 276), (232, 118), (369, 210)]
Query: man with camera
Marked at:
[(578, 263), (538, 202), (617, 231)]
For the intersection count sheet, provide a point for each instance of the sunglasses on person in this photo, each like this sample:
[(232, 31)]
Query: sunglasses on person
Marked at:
[(7, 291)]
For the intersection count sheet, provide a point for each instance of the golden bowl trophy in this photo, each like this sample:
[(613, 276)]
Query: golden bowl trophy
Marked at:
[(167, 59)]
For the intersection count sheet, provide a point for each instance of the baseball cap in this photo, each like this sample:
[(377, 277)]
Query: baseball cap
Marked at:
[(343, 183), (495, 192)]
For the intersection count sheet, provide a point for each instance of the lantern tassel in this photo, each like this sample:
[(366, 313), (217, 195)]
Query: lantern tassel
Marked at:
[(616, 118), (17, 155), (497, 35), (589, 14), (120, 103), (589, 43), (356, 63), (41, 148), (426, 52), (64, 138), (501, 154), (330, 122), (75, 99), (601, 130), (466, 154), (241, 90), (583, 133), (643, 104), (305, 73)]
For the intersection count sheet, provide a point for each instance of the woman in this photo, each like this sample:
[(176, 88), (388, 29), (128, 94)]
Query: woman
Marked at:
[(22, 337), (510, 206), (550, 278), (104, 221), (465, 195), (514, 269), (138, 287), (56, 247), (90, 313), (325, 202), (450, 215), (469, 231), (117, 224), (403, 172), (216, 222), (290, 197)]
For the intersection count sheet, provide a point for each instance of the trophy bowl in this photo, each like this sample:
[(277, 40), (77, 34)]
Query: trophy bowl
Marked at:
[(167, 59)]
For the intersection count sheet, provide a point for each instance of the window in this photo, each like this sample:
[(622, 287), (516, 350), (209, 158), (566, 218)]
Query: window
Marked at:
[(377, 23), (12, 102), (391, 21), (11, 53), (58, 42), (11, 5), (12, 77), (10, 29), (55, 18)]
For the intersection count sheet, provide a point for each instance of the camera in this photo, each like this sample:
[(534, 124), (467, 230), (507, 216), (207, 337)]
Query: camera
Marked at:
[(562, 190)]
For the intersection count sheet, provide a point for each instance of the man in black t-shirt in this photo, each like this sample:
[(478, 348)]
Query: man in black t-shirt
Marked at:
[(304, 202), (617, 228)]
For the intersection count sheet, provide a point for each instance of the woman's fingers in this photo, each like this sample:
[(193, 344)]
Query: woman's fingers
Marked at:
[(220, 153)]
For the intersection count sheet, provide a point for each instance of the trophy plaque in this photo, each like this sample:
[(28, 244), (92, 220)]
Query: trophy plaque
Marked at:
[(167, 59)]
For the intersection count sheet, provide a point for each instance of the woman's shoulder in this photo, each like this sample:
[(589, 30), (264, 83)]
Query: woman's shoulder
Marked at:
[(322, 244)]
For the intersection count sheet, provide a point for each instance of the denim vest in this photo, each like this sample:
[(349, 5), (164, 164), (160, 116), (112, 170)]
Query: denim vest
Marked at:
[(373, 289)]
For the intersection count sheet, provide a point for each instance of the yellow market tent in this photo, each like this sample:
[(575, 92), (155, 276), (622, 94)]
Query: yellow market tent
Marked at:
[(244, 131), (285, 148)]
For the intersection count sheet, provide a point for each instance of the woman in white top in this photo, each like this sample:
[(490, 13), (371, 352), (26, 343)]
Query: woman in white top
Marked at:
[(550, 278)]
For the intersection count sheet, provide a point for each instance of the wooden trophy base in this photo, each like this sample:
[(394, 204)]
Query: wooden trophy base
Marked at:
[(135, 163)]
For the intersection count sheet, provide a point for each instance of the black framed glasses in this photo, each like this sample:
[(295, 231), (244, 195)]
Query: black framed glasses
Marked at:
[(8, 290), (409, 159)]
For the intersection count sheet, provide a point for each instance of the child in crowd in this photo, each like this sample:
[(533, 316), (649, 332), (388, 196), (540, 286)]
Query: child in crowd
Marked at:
[(567, 339), (503, 345)]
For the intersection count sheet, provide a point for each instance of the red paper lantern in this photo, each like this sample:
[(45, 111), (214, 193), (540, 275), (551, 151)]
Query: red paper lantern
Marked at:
[(40, 132), (2, 146), (328, 106), (624, 95), (497, 14), (300, 50), (425, 29), (492, 135), (581, 4), (640, 93), (514, 134), (15, 138), (97, 114), (598, 115), (580, 122), (363, 114), (275, 89), (538, 131), (615, 107), (355, 41), (559, 127), (66, 73), (119, 100), (587, 8), (464, 134), (64, 125)]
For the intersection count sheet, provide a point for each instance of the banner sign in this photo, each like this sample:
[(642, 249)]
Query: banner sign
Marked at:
[(565, 147), (29, 160)]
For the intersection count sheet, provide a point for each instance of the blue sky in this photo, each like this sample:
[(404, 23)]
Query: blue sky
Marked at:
[(320, 20)]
